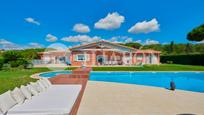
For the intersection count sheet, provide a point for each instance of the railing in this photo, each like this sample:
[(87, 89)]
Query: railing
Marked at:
[(38, 62)]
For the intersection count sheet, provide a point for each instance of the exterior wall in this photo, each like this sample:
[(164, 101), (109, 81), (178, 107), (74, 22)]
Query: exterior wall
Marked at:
[(89, 62), (120, 58), (52, 59), (145, 58), (93, 57)]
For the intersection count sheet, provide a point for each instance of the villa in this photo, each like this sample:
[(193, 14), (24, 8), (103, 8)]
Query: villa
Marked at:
[(100, 53)]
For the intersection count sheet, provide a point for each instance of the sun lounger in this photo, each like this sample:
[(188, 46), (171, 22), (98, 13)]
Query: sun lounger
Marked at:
[(56, 100)]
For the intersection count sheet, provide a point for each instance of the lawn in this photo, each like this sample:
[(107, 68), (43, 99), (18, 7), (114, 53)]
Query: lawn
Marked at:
[(162, 67), (12, 78)]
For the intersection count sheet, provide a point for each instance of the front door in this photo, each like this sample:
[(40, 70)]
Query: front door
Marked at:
[(100, 59)]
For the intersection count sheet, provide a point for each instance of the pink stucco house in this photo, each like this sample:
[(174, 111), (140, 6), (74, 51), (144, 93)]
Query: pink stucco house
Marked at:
[(101, 53)]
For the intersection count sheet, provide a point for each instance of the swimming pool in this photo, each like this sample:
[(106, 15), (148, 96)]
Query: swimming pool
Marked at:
[(52, 74), (191, 81)]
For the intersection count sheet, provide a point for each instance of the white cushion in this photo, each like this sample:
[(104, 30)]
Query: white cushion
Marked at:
[(43, 88), (6, 101), (57, 100), (47, 81), (32, 90), (36, 86), (44, 83), (18, 95), (26, 92)]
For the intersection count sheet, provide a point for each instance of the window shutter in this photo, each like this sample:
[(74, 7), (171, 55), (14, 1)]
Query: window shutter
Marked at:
[(75, 58), (87, 57)]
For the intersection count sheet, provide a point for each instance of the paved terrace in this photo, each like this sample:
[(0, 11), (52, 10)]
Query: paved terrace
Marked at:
[(103, 98)]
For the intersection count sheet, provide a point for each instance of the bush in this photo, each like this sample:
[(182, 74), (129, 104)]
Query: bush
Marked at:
[(6, 67), (11, 56), (19, 62), (169, 62), (29, 66), (191, 59), (1, 63)]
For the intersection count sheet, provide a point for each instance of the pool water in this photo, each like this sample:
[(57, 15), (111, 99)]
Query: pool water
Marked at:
[(52, 74), (191, 81)]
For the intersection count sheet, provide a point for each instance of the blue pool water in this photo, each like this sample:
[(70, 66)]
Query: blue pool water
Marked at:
[(191, 81), (52, 74)]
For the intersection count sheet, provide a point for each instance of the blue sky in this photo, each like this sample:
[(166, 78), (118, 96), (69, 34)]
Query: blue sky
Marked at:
[(44, 22)]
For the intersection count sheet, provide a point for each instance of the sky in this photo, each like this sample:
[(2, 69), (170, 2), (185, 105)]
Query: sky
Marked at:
[(40, 23)]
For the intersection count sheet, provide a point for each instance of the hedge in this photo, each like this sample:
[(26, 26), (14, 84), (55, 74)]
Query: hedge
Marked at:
[(188, 59)]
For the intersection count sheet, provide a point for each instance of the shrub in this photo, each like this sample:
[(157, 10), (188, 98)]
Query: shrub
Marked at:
[(169, 62), (21, 67), (1, 62), (6, 67), (190, 59), (11, 56), (29, 66), (18, 62)]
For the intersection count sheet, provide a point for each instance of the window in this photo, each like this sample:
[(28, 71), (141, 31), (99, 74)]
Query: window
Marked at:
[(81, 57), (139, 56)]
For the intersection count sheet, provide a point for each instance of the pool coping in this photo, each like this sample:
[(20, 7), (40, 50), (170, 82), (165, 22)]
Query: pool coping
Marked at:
[(37, 75), (147, 71)]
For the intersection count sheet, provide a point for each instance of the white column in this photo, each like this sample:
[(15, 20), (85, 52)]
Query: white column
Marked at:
[(158, 59), (144, 59), (54, 61), (123, 58), (93, 58), (85, 58), (103, 57), (130, 58)]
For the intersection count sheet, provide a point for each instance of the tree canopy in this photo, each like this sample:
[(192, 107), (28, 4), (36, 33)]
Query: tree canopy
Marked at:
[(197, 34), (172, 48), (133, 44)]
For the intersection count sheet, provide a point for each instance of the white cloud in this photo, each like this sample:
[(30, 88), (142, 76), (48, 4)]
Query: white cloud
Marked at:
[(7, 45), (200, 42), (35, 45), (114, 39), (138, 41), (150, 42), (81, 38), (145, 27), (51, 38), (110, 22), (121, 39), (4, 42), (128, 40), (81, 28), (31, 20)]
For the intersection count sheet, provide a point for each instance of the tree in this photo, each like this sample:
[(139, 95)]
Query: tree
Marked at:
[(133, 45), (188, 48), (1, 62), (11, 56), (197, 34), (171, 47), (153, 47)]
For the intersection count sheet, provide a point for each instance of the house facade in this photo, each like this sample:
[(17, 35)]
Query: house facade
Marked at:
[(102, 53)]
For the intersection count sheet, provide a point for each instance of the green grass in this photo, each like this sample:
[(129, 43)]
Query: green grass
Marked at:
[(70, 68), (14, 78), (162, 67)]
